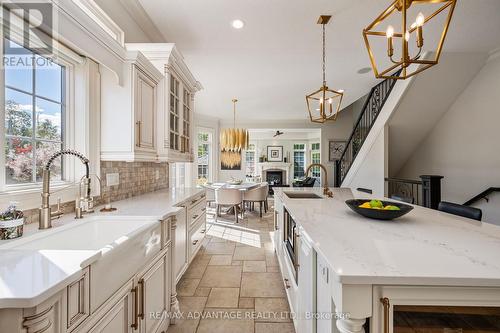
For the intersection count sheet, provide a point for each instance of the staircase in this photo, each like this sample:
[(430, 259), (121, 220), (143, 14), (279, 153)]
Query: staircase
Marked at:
[(371, 109)]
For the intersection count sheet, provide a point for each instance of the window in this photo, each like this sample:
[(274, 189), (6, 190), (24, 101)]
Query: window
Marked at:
[(34, 116), (186, 121), (177, 175), (316, 158), (174, 113), (250, 161), (299, 160), (204, 157)]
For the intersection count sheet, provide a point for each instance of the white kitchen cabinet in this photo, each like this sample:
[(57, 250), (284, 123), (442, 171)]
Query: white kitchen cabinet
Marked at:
[(129, 112), (145, 111), (278, 226), (176, 101), (119, 318), (153, 292), (306, 299), (181, 260), (77, 296), (324, 303)]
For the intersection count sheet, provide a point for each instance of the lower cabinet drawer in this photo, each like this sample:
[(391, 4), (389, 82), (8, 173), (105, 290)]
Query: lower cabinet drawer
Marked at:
[(196, 212), (196, 236), (77, 301)]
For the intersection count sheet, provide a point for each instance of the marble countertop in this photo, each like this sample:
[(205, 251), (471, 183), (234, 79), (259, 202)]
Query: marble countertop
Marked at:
[(424, 247), (28, 277)]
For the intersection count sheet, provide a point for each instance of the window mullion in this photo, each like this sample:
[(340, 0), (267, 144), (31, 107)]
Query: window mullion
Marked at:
[(33, 111)]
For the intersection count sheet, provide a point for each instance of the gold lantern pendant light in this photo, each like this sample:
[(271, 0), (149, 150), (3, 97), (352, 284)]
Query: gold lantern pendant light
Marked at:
[(324, 104), (234, 139), (400, 67)]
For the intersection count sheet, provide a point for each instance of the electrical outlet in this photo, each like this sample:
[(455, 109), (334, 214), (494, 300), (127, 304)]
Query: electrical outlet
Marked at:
[(112, 179), (157, 174)]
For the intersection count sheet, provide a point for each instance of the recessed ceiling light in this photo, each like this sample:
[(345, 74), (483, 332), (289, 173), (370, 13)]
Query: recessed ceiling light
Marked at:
[(238, 24), (364, 70)]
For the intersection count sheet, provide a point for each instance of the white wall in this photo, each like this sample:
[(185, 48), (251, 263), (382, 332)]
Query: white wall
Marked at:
[(372, 174), (463, 145)]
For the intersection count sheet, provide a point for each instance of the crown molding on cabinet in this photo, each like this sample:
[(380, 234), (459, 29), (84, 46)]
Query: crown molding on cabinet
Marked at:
[(157, 53)]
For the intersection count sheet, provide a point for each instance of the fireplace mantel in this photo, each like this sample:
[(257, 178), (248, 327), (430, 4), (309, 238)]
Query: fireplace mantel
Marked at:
[(263, 167)]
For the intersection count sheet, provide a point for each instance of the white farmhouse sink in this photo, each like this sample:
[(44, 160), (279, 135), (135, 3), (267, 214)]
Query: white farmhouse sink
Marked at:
[(122, 246), (100, 233)]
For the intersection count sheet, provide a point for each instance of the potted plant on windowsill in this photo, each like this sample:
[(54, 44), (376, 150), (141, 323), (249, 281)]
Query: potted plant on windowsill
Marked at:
[(11, 223)]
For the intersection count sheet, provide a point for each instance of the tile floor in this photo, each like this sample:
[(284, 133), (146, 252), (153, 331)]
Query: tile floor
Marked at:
[(234, 282)]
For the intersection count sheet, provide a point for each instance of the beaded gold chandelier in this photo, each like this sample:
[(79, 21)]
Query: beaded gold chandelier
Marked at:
[(234, 139)]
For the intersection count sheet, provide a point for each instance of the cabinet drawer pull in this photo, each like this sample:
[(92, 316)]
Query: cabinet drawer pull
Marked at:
[(195, 242), (387, 305), (135, 322), (195, 216), (138, 143), (202, 231), (141, 314), (204, 209)]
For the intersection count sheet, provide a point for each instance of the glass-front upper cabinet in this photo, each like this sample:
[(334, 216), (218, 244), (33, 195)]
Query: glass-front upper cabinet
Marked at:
[(186, 122), (176, 95), (174, 113)]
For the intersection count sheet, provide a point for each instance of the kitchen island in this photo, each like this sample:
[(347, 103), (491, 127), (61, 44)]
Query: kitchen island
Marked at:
[(382, 274)]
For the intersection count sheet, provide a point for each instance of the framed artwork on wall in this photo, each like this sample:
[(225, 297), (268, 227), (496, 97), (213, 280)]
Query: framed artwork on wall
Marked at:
[(335, 149), (275, 153)]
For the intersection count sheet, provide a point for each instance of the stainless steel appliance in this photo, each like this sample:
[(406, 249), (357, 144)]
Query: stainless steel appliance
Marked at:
[(291, 240)]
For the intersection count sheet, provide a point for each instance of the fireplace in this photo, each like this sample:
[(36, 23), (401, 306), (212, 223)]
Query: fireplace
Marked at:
[(274, 177)]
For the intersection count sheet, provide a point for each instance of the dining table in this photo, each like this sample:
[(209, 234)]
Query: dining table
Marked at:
[(243, 187)]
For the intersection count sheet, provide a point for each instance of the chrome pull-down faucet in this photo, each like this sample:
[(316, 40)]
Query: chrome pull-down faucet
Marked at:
[(45, 215)]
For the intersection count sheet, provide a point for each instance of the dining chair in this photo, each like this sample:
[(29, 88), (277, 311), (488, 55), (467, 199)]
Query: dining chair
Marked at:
[(209, 195), (227, 197), (259, 195), (460, 210)]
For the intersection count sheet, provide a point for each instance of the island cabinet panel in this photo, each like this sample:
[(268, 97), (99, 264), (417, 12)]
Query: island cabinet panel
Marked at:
[(278, 225), (306, 285), (324, 303), (436, 310)]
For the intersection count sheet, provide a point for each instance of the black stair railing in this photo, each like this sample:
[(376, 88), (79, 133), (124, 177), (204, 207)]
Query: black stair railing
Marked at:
[(374, 103), (483, 195)]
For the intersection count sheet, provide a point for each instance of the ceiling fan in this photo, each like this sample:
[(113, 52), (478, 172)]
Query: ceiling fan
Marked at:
[(278, 133)]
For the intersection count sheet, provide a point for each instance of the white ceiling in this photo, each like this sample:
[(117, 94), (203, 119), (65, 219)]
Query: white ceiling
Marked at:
[(288, 134), (272, 62)]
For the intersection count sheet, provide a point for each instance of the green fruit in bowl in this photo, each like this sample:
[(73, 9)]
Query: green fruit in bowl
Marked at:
[(391, 207), (376, 204)]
